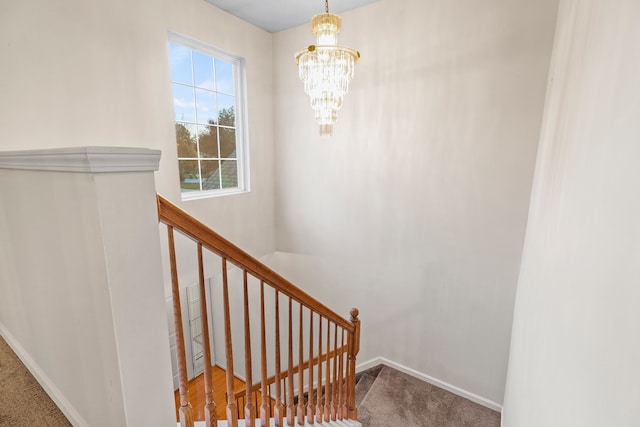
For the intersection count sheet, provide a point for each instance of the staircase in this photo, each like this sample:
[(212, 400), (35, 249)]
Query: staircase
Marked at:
[(305, 362)]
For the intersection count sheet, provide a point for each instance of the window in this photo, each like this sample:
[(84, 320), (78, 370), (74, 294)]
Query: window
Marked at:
[(208, 105)]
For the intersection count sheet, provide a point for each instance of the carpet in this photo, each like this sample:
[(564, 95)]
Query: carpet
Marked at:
[(23, 402), (398, 399)]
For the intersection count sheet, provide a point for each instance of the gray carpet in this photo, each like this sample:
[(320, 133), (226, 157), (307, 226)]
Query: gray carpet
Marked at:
[(398, 399), (23, 402)]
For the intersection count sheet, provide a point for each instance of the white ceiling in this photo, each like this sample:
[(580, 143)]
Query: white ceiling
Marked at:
[(277, 15)]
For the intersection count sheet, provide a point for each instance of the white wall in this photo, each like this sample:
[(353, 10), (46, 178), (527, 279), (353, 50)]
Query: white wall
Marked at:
[(424, 186), (93, 72), (81, 299), (53, 303), (574, 351)]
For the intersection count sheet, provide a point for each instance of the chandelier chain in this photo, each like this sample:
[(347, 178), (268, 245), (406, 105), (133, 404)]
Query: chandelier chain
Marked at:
[(326, 6)]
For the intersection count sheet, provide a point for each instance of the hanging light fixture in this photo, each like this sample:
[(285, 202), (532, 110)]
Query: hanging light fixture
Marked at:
[(326, 69)]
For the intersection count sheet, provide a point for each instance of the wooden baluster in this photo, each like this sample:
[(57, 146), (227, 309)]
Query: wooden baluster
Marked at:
[(278, 411), (335, 387), (310, 408), (210, 415), (300, 373), (319, 407), (354, 348), (249, 408), (264, 407), (290, 400), (290, 405), (232, 409), (185, 412), (345, 395), (347, 381), (284, 390), (340, 378), (327, 385)]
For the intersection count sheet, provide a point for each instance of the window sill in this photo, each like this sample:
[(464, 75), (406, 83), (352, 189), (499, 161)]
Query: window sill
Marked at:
[(197, 195)]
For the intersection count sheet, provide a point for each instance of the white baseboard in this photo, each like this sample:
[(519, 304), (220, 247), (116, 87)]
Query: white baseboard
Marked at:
[(431, 380), (43, 379)]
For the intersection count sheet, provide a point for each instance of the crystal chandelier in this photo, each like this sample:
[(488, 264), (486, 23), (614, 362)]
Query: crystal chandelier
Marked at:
[(326, 69)]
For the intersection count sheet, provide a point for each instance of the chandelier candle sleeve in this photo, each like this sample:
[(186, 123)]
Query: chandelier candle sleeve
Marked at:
[(326, 69)]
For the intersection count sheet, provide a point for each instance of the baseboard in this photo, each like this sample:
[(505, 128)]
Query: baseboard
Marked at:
[(45, 382), (431, 380)]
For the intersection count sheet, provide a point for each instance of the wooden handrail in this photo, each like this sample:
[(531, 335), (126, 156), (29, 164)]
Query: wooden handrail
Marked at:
[(173, 216)]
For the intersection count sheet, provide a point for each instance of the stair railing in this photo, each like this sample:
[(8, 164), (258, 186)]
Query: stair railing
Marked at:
[(293, 394)]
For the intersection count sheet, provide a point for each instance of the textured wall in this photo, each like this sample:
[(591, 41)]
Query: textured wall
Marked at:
[(424, 186), (80, 299), (574, 351)]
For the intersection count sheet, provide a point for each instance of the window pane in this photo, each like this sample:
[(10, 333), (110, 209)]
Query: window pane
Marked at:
[(210, 175), (224, 76), (184, 104), (229, 170), (180, 58), (227, 143), (227, 115), (203, 70), (189, 177), (208, 138), (206, 107), (186, 140)]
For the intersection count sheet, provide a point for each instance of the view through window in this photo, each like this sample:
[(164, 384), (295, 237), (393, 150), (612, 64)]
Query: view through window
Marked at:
[(206, 100)]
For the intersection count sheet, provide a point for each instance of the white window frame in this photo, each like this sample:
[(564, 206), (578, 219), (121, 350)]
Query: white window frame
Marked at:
[(242, 144)]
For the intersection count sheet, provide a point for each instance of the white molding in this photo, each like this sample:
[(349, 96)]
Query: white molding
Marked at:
[(47, 384), (431, 380), (83, 159)]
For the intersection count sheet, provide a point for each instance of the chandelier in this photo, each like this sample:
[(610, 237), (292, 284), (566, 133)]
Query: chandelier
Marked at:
[(326, 69)]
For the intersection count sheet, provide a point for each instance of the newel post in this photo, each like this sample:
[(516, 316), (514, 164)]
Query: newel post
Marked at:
[(354, 348)]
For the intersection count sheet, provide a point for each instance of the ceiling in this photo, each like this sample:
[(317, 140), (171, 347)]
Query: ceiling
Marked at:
[(278, 15)]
